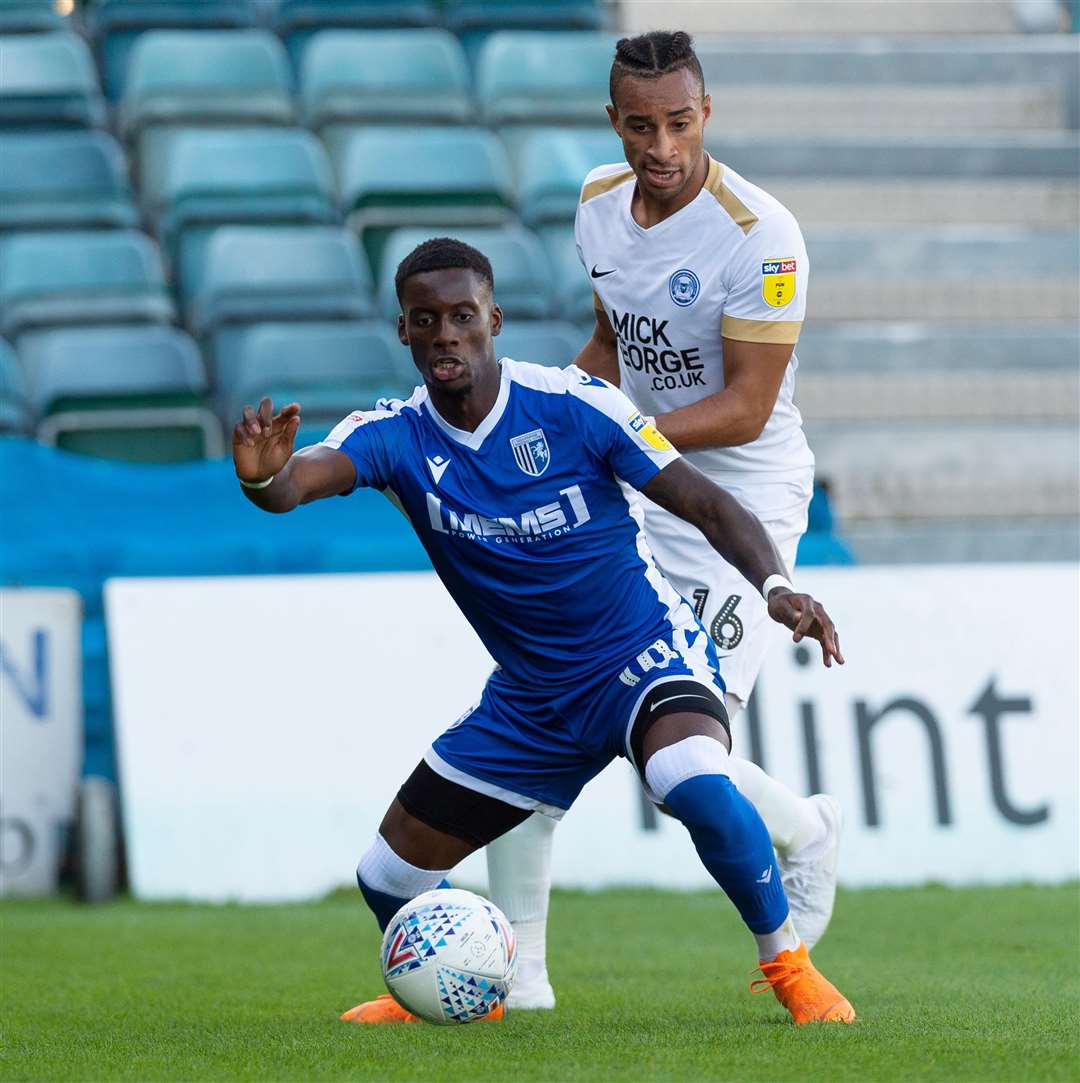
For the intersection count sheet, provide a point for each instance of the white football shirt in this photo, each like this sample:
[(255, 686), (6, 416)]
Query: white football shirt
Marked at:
[(730, 264)]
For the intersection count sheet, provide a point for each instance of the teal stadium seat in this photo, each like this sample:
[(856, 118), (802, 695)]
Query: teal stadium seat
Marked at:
[(131, 393), (80, 277), (329, 368), (208, 177), (189, 77), (64, 180), (475, 20), (116, 26), (521, 268), (48, 81), (399, 177), (297, 21), (29, 17), (253, 273), (544, 78), (570, 281), (550, 166), (383, 77), (544, 342), (16, 416)]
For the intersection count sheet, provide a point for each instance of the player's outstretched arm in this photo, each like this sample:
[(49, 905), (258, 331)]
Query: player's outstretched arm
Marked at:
[(738, 536), (272, 477)]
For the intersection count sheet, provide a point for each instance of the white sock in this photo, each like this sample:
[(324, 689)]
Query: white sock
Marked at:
[(519, 883), (383, 870), (769, 945), (793, 822)]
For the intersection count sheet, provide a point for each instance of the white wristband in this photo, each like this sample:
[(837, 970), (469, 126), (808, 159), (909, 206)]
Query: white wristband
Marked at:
[(256, 484), (773, 582)]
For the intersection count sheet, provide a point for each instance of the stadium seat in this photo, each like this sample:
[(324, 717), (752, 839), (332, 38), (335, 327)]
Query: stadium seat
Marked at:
[(550, 166), (205, 77), (570, 281), (297, 21), (384, 76), (401, 177), (48, 81), (29, 16), (80, 277), (521, 269), (116, 26), (544, 78), (121, 392), (329, 368), (66, 180), (475, 20), (207, 177), (16, 416), (545, 342), (253, 273)]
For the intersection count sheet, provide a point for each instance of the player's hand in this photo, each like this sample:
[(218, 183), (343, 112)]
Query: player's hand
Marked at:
[(262, 442), (806, 617)]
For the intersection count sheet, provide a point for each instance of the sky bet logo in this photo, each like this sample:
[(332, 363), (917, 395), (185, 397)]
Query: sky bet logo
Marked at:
[(778, 267), (536, 524), (646, 348)]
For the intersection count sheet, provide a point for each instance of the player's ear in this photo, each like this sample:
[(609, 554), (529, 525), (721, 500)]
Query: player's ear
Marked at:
[(706, 109), (496, 320), (403, 338), (613, 116)]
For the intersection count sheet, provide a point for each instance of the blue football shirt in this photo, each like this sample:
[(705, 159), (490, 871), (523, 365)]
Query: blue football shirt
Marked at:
[(532, 522)]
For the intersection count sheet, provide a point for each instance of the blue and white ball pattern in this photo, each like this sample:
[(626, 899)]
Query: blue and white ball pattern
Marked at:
[(449, 956)]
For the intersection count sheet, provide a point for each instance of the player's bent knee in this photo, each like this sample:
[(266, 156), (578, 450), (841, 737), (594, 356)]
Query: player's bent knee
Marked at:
[(692, 757)]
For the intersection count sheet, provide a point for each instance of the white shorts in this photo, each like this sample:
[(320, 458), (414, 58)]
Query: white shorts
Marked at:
[(734, 614)]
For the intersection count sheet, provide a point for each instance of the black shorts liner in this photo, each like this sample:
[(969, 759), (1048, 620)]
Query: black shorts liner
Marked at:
[(455, 809), (674, 697)]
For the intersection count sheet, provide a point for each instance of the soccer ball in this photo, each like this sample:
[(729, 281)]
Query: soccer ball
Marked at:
[(449, 956)]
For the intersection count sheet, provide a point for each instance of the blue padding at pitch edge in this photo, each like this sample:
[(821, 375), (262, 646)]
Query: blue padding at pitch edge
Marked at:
[(71, 521)]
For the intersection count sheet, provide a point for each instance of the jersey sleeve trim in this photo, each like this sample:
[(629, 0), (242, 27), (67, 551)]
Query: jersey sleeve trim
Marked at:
[(605, 184), (780, 332), (740, 214)]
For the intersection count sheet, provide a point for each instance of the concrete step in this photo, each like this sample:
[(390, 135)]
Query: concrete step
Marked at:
[(964, 543), (806, 110), (910, 472), (818, 17), (987, 396), (1036, 204), (911, 347), (1043, 155)]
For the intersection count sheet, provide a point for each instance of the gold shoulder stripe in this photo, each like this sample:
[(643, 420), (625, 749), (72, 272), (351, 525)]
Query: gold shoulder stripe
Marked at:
[(605, 184), (779, 332), (743, 217)]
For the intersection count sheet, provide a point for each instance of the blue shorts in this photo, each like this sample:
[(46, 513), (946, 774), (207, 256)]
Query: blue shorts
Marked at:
[(535, 748)]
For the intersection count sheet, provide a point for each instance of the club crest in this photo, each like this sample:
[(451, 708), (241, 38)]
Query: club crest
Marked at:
[(531, 452), (684, 287)]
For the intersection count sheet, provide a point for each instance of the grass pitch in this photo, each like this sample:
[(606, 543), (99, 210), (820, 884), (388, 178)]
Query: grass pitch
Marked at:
[(978, 984)]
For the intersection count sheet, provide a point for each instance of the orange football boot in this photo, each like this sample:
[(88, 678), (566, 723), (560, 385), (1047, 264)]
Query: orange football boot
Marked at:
[(385, 1009), (803, 989)]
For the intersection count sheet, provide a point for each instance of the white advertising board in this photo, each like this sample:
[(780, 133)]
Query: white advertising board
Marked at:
[(264, 724), (41, 733)]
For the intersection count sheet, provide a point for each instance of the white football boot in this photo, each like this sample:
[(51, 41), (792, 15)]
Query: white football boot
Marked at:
[(531, 990), (809, 874)]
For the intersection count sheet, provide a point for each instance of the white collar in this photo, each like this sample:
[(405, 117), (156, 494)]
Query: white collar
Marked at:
[(474, 440)]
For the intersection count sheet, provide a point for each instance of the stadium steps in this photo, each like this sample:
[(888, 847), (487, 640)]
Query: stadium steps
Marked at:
[(1030, 202), (822, 17), (807, 110), (963, 543), (921, 471), (988, 396)]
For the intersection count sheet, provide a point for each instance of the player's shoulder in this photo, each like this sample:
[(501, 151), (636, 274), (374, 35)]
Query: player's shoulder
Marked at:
[(549, 380), (602, 181), (390, 413), (746, 205)]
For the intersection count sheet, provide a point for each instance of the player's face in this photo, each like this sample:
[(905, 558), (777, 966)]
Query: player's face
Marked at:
[(448, 321), (662, 125)]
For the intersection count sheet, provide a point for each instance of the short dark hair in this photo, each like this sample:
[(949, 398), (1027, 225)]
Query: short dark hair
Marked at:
[(651, 55), (442, 254)]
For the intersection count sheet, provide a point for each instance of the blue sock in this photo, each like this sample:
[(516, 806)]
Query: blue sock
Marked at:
[(734, 846), (384, 906)]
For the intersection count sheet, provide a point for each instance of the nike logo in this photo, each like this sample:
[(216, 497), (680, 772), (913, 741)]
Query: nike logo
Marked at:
[(684, 695), (437, 465), (600, 274)]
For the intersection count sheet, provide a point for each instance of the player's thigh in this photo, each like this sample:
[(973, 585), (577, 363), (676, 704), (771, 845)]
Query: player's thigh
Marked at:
[(733, 613)]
